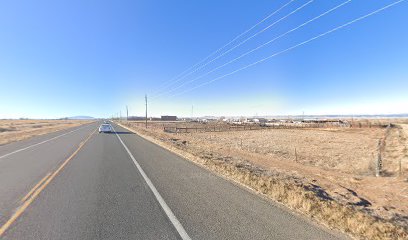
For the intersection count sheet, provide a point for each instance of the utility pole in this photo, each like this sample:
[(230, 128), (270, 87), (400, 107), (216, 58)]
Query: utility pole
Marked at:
[(192, 111), (146, 110), (127, 113), (120, 115)]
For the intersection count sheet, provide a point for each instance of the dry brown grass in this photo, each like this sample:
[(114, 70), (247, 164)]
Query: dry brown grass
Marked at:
[(347, 150), (16, 130), (332, 180)]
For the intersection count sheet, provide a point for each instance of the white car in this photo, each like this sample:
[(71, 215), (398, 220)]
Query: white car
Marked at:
[(105, 128)]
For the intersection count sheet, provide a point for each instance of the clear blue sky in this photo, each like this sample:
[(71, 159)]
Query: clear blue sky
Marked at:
[(67, 58)]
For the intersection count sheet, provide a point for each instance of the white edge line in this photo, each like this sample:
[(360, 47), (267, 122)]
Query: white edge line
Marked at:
[(176, 223), (36, 144)]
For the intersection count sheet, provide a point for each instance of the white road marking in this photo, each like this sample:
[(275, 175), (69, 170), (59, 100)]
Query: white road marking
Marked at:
[(176, 223), (22, 149)]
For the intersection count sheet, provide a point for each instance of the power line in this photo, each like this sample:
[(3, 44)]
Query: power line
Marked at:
[(260, 46), (293, 47), (215, 52), (239, 44)]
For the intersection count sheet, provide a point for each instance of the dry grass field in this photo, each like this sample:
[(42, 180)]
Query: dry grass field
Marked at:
[(346, 150), (16, 130), (335, 163), (341, 161)]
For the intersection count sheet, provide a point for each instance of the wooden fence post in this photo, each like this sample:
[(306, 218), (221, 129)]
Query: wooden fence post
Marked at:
[(296, 159), (378, 165)]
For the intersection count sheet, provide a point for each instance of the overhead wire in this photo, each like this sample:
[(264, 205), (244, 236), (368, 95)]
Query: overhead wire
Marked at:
[(219, 49), (241, 43), (260, 46), (293, 47)]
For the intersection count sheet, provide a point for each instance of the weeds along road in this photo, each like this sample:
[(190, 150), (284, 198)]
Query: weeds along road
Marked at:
[(85, 185)]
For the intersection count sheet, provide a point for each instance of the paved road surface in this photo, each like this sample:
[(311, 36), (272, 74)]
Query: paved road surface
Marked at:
[(100, 193)]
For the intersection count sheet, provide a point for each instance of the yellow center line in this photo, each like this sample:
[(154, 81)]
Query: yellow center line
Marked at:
[(39, 188), (34, 188)]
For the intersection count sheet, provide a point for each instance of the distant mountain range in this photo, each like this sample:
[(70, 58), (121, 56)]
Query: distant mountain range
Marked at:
[(79, 118)]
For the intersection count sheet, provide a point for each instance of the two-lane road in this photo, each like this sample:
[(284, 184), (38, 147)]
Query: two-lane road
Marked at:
[(120, 186)]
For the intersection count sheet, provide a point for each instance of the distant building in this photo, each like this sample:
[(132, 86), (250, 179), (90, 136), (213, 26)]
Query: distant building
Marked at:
[(169, 118), (263, 120), (136, 118)]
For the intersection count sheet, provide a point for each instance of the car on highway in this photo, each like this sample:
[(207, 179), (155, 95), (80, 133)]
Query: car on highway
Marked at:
[(105, 128)]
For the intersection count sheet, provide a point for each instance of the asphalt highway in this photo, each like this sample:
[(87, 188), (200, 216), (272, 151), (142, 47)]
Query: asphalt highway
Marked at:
[(81, 184)]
